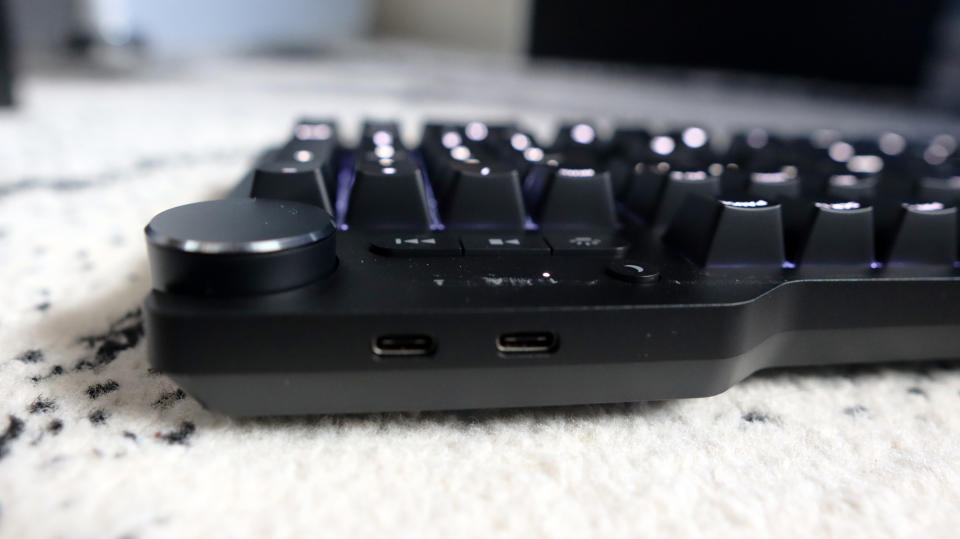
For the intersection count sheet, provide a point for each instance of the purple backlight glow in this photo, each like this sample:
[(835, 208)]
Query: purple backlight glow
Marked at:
[(432, 204), (344, 185)]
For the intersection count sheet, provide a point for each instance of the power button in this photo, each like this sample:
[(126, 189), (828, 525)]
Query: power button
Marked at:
[(633, 271)]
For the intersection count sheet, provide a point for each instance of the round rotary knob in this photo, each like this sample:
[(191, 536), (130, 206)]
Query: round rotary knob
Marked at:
[(240, 246)]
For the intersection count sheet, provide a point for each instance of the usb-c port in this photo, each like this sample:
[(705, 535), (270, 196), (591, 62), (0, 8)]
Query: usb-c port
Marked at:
[(403, 345), (527, 342)]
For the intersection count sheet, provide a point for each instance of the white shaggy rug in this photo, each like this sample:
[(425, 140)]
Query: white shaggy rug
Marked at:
[(94, 444)]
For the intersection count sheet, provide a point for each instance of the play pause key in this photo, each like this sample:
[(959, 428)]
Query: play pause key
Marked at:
[(502, 244)]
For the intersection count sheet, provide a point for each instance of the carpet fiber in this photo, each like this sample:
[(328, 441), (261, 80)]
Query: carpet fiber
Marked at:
[(95, 444)]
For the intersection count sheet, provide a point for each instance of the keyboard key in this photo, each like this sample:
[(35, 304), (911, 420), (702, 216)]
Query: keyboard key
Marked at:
[(630, 147), (384, 155), (483, 196), (388, 196), (631, 143), (942, 189), (775, 185), (319, 153), (313, 142), (693, 137), (579, 143), (576, 198), (728, 232), (757, 149), (291, 180), (829, 232), (316, 131), (865, 163), (587, 243), (504, 244), (852, 187), (477, 132), (376, 134), (444, 169), (661, 196), (645, 189), (917, 233), (690, 150), (417, 245), (509, 146), (322, 156)]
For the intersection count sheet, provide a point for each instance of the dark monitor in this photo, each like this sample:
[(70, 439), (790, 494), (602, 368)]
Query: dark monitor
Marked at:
[(6, 59), (880, 42)]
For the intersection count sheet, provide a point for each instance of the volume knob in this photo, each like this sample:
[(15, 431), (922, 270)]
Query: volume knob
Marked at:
[(240, 246)]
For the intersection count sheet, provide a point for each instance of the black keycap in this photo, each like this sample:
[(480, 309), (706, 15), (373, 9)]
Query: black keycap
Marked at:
[(444, 148), (645, 189), (629, 148), (509, 145), (587, 243), (380, 134), (690, 148), (316, 130), (445, 169), (576, 147), (477, 132), (383, 155), (733, 178), (757, 149), (728, 232), (504, 244), (693, 137), (578, 138), (510, 139), (433, 132), (945, 190), (483, 196), (662, 148), (853, 187), (630, 143), (916, 233), (775, 185), (677, 186), (388, 196), (829, 232), (319, 155), (291, 180), (314, 142), (866, 164), (417, 245), (576, 198)]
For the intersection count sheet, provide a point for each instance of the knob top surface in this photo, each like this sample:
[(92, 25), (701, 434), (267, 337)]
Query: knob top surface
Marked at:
[(241, 225)]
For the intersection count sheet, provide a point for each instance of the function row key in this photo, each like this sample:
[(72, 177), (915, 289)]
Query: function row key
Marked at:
[(441, 244)]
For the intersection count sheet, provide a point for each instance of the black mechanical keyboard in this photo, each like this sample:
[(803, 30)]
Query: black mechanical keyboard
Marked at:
[(482, 268)]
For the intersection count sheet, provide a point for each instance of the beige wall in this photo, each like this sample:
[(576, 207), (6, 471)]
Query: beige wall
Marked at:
[(488, 25)]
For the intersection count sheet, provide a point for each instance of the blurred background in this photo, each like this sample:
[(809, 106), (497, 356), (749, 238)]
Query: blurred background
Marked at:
[(901, 53)]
